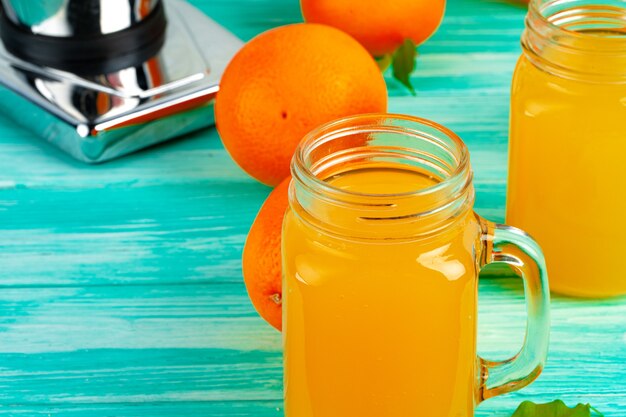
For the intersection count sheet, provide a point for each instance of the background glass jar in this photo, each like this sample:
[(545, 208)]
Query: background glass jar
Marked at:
[(381, 254), (568, 142)]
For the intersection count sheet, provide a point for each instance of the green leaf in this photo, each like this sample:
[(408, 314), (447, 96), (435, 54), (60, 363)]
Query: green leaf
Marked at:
[(404, 63), (556, 408), (384, 61)]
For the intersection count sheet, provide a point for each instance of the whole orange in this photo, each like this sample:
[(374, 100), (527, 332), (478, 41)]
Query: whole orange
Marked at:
[(380, 26), (285, 82), (262, 270)]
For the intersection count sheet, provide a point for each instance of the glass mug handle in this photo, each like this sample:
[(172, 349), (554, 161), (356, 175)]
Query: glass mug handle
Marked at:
[(514, 247)]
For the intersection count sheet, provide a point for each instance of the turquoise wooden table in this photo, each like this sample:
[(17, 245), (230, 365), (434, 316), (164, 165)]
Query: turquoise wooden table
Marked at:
[(121, 290)]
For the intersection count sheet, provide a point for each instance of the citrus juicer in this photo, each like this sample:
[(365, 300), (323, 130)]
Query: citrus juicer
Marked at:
[(103, 78)]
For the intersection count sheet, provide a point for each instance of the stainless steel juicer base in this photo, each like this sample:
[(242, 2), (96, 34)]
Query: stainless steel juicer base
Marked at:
[(100, 117)]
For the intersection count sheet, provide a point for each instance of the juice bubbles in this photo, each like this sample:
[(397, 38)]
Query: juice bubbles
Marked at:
[(381, 253), (568, 141)]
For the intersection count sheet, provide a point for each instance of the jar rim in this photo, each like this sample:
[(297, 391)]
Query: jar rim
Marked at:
[(581, 40), (392, 141), (535, 10), (363, 123)]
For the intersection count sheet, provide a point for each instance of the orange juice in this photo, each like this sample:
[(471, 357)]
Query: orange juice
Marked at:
[(567, 147), (379, 327)]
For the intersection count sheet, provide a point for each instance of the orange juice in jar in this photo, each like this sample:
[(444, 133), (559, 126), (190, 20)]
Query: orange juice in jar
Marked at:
[(381, 254), (568, 141)]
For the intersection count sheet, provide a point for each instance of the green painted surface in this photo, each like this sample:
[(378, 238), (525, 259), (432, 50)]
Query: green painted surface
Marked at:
[(121, 291)]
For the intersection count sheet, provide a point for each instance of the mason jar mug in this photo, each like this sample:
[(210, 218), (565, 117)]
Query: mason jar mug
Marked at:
[(381, 255), (568, 141)]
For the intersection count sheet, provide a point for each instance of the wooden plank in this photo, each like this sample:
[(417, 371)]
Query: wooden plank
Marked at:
[(125, 235), (149, 409)]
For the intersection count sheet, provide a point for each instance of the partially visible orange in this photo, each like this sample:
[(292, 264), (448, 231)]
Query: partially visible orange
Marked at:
[(284, 83), (262, 270), (380, 26)]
